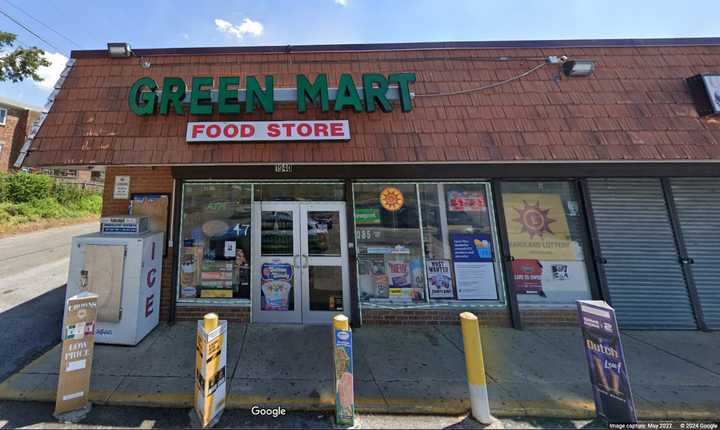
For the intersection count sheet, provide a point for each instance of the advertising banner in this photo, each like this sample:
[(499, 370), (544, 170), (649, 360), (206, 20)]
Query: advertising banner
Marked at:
[(344, 397), (466, 201), (528, 277), (276, 286), (440, 281), (608, 372), (475, 281), (537, 227), (76, 357), (210, 375), (471, 247)]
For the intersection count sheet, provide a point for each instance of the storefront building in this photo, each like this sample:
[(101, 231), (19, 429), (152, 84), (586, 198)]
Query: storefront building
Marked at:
[(404, 183)]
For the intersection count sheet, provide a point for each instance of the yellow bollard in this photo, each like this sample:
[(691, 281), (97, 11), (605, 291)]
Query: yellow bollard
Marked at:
[(475, 368), (210, 321), (342, 355)]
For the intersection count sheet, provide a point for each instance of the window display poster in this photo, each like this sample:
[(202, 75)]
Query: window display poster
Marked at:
[(439, 279), (605, 358), (527, 277), (550, 282), (276, 286), (471, 247), (475, 281), (537, 227), (466, 201)]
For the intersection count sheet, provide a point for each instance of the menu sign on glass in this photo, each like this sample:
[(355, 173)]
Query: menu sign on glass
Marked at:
[(608, 372)]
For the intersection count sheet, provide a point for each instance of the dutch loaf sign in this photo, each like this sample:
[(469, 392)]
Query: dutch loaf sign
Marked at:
[(78, 333)]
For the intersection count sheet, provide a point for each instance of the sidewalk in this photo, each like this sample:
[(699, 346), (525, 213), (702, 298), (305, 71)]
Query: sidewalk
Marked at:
[(408, 369)]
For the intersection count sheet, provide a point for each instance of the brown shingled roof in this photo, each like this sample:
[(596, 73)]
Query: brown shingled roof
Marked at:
[(634, 107)]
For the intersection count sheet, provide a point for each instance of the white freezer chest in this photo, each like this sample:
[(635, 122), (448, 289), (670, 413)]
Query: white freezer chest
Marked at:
[(125, 271)]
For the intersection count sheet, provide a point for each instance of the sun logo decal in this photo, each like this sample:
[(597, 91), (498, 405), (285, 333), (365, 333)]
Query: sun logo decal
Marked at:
[(534, 219), (391, 199)]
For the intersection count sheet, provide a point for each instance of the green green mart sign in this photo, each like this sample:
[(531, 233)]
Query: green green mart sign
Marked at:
[(145, 97)]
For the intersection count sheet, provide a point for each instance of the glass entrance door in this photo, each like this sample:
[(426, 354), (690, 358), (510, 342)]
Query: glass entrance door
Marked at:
[(300, 269)]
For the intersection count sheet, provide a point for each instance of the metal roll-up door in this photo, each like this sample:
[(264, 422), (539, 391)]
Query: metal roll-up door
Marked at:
[(697, 202), (642, 268)]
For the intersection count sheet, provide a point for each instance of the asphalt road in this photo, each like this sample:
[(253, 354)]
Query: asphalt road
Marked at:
[(39, 415), (33, 272)]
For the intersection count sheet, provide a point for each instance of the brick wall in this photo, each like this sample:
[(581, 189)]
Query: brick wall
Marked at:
[(12, 136), (549, 318), (487, 317), (143, 180), (238, 314)]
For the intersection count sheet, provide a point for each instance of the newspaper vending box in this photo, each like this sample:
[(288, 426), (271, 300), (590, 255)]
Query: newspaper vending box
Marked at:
[(123, 269)]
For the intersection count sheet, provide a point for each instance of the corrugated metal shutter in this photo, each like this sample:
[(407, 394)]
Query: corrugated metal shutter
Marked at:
[(697, 202), (644, 277)]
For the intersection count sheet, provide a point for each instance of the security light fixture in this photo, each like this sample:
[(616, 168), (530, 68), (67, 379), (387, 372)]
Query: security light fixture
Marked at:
[(119, 50), (578, 67)]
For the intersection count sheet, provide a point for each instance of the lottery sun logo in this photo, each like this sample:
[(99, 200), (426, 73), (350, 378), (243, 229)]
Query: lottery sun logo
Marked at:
[(391, 199), (534, 219)]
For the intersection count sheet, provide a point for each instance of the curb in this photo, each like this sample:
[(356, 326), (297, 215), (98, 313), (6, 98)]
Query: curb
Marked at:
[(397, 405)]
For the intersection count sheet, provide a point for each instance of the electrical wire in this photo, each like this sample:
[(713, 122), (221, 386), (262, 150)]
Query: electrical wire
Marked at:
[(485, 87), (29, 30), (42, 23)]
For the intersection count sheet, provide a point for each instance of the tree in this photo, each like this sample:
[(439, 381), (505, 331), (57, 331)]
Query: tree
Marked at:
[(20, 63)]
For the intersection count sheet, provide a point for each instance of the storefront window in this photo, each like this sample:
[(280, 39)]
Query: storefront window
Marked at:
[(438, 251), (389, 243), (215, 234), (459, 242), (288, 192), (544, 226)]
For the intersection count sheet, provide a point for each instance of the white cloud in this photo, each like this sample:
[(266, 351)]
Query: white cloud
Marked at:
[(341, 2), (51, 73), (246, 27)]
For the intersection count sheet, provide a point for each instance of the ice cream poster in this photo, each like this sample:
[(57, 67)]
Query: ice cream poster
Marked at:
[(344, 395), (440, 280), (608, 372), (276, 286)]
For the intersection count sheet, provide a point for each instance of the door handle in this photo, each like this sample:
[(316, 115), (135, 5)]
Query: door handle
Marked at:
[(294, 261), (307, 261)]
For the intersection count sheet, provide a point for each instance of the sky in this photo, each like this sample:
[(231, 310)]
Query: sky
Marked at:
[(65, 25)]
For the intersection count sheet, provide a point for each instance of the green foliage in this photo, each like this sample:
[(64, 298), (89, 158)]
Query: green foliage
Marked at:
[(27, 197), (20, 63), (25, 187)]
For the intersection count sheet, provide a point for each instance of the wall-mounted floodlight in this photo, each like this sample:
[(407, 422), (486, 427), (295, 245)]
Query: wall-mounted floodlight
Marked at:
[(578, 67), (119, 50)]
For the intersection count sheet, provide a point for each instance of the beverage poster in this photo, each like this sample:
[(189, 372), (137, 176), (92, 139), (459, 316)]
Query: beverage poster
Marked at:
[(440, 282), (276, 286), (537, 227), (77, 353), (608, 372), (344, 390)]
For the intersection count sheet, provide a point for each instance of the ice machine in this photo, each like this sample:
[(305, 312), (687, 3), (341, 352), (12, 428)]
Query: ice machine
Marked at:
[(124, 271)]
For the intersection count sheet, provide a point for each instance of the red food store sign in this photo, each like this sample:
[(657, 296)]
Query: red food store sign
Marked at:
[(262, 131)]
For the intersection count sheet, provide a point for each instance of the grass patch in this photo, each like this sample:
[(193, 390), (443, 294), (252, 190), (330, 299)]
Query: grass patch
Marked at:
[(32, 197)]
